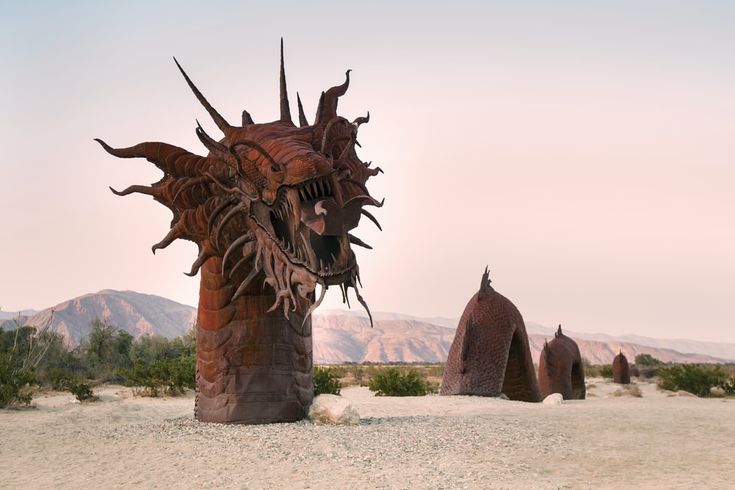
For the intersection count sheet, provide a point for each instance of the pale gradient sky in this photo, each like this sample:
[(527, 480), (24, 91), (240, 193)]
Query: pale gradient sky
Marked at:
[(584, 150)]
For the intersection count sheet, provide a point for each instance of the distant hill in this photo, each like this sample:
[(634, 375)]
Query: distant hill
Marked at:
[(346, 336), (136, 313)]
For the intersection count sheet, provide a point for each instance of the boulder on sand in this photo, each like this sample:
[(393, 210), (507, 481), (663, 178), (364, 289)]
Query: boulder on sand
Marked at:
[(333, 409)]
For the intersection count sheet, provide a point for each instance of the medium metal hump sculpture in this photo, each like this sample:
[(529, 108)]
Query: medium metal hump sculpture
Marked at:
[(621, 369), (560, 368), (490, 353), (271, 208)]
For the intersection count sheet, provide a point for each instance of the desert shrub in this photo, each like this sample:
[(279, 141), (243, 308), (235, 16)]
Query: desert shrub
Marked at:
[(15, 382), (21, 351), (647, 360), (606, 371), (695, 378), (58, 378), (648, 372), (729, 386), (82, 391), (391, 382), (171, 376), (325, 381)]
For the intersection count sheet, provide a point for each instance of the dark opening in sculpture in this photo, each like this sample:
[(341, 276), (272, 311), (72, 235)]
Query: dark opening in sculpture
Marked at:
[(490, 353), (621, 369), (271, 208), (560, 368)]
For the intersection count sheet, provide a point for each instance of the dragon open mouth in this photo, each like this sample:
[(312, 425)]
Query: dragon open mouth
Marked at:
[(306, 223)]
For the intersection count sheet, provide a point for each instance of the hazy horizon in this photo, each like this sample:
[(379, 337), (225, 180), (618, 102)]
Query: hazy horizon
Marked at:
[(585, 153)]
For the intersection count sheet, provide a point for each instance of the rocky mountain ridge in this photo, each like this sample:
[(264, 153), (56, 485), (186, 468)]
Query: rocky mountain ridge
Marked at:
[(346, 336)]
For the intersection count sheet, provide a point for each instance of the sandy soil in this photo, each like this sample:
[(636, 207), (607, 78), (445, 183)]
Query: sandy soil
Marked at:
[(654, 441)]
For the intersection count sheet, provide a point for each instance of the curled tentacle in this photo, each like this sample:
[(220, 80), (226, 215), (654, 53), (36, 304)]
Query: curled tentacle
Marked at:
[(140, 189), (328, 103)]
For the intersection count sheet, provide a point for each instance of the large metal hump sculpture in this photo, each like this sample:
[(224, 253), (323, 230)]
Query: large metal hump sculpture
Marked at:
[(560, 368), (271, 208), (490, 353), (621, 369)]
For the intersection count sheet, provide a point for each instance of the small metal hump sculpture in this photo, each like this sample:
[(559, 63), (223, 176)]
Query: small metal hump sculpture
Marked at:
[(490, 354), (560, 368), (621, 369), (272, 208)]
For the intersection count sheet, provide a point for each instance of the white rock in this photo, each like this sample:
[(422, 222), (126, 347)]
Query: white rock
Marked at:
[(333, 409), (553, 399)]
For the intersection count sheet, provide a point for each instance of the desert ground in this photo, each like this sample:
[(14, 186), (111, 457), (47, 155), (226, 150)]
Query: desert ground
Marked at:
[(606, 441)]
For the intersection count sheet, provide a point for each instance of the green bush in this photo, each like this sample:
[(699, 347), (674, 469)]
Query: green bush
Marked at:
[(325, 381), (391, 382), (82, 391), (647, 360), (172, 376), (606, 371), (15, 382), (695, 378), (58, 379)]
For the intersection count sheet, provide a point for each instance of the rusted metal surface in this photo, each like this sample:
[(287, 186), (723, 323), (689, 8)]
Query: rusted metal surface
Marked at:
[(490, 354), (271, 208), (560, 368), (621, 369)]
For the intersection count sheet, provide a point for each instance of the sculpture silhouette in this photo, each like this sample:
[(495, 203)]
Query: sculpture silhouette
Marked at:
[(270, 208), (560, 368), (490, 353), (621, 369)]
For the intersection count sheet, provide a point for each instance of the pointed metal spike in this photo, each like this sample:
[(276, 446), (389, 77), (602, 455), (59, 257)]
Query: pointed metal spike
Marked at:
[(356, 241), (246, 118), (371, 218), (302, 117), (285, 109), (220, 121)]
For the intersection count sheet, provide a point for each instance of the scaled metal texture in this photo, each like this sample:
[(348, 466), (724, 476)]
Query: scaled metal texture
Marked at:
[(560, 368), (621, 369), (490, 354), (271, 208)]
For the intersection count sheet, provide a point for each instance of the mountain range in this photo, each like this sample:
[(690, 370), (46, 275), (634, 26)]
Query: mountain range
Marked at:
[(346, 336)]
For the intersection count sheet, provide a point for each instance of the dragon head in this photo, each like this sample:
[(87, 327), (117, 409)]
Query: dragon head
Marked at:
[(274, 202)]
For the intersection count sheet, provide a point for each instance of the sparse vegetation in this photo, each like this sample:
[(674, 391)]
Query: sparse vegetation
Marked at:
[(391, 382), (21, 351), (326, 380), (37, 356), (698, 379), (647, 360), (82, 391)]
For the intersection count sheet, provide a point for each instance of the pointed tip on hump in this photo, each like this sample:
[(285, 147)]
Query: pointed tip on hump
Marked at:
[(558, 331), (485, 281)]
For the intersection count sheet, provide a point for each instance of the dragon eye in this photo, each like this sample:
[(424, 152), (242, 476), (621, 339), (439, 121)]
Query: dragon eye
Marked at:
[(274, 168)]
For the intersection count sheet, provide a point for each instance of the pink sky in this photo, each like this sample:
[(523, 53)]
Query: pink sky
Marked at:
[(584, 153)]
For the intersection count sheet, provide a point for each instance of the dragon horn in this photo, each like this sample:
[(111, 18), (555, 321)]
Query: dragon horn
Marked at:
[(285, 108)]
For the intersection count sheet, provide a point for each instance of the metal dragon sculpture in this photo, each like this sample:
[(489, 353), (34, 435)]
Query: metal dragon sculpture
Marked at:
[(560, 368), (490, 354), (271, 208)]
